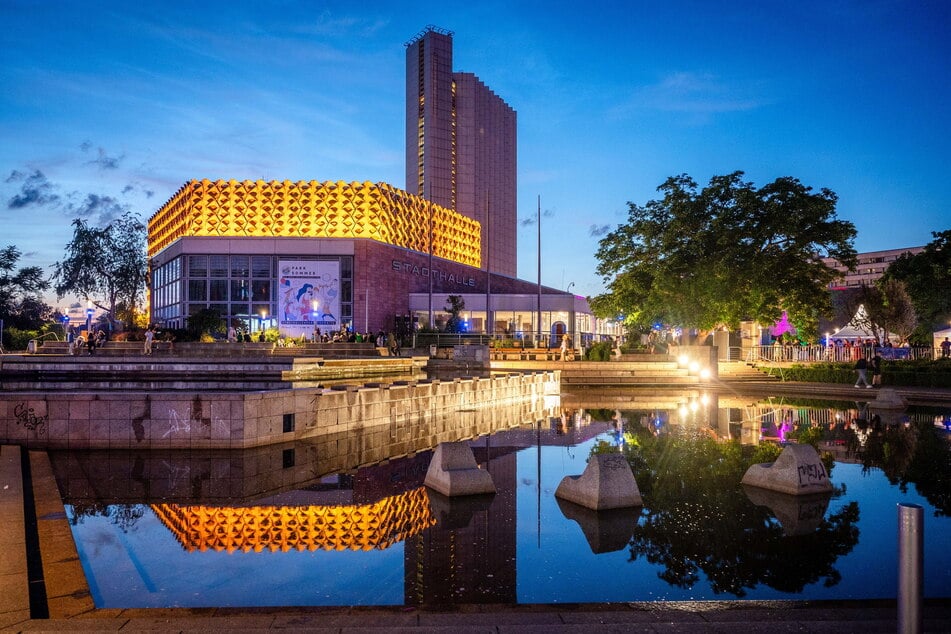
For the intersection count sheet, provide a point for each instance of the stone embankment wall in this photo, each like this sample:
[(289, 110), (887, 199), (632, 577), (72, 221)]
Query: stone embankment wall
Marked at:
[(220, 420)]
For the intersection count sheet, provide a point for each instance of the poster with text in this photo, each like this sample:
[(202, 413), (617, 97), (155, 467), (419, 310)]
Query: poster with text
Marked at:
[(308, 297)]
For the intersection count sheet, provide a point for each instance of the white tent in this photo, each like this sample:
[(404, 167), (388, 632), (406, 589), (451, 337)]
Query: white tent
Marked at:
[(856, 328)]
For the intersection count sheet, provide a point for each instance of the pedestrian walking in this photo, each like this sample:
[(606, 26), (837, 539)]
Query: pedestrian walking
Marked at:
[(149, 336), (861, 366)]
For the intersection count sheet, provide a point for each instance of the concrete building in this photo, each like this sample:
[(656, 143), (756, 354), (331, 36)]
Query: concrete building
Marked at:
[(461, 146), (870, 266), (305, 255)]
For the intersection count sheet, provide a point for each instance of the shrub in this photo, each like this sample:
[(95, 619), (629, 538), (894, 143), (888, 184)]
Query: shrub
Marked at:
[(600, 351)]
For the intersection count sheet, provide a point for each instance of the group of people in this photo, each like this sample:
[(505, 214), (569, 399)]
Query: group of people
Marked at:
[(76, 343)]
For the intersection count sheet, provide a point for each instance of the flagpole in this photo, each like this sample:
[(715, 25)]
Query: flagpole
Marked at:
[(539, 218)]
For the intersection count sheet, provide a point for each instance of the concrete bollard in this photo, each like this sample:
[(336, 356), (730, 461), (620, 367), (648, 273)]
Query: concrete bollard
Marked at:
[(911, 560), (607, 483), (797, 471), (453, 471)]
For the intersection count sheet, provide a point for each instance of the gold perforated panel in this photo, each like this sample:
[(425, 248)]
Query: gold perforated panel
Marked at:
[(353, 527), (308, 209)]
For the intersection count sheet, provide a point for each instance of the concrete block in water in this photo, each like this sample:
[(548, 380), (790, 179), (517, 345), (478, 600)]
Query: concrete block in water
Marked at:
[(797, 514), (888, 399), (797, 471), (606, 531), (607, 483), (453, 471)]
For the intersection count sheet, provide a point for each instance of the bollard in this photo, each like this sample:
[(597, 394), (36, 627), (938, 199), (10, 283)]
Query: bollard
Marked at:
[(910, 567)]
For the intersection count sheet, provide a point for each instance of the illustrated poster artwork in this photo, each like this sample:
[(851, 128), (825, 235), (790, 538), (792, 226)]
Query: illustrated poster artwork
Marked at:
[(308, 296)]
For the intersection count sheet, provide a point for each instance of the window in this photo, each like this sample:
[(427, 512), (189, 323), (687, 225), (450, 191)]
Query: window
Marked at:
[(261, 266), (239, 266), (219, 266), (198, 266), (197, 290), (219, 291)]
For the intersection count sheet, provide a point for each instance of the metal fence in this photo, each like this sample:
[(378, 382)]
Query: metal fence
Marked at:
[(814, 353)]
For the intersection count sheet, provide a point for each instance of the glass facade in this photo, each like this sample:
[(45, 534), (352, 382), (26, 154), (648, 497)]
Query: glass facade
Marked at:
[(239, 286)]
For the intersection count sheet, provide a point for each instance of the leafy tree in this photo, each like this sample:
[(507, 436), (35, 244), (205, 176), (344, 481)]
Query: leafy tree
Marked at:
[(455, 307), (20, 303), (927, 278), (885, 307), (724, 254), (107, 265), (206, 321), (697, 521)]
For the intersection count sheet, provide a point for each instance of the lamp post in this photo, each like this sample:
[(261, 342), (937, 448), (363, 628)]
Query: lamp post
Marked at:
[(570, 284), (89, 312)]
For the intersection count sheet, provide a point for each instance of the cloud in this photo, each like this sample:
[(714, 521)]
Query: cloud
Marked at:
[(528, 221), (687, 92), (106, 162), (101, 209), (35, 189), (596, 231)]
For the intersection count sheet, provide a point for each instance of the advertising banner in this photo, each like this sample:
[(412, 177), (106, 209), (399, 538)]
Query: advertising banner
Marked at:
[(308, 296)]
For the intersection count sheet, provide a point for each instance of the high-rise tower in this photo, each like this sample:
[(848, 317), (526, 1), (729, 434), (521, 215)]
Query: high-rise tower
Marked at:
[(461, 150)]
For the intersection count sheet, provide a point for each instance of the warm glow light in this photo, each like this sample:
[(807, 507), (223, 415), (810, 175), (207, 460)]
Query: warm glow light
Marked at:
[(309, 209), (705, 374), (345, 527), (683, 359), (694, 366)]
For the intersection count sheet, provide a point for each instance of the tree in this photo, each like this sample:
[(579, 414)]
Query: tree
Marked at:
[(455, 307), (20, 302), (725, 254), (205, 322), (927, 278), (106, 265)]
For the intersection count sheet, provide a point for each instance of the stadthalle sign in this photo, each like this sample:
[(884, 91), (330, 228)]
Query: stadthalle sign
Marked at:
[(443, 276)]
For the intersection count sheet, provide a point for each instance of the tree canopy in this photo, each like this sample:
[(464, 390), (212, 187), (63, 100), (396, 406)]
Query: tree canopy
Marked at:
[(20, 288), (724, 254), (927, 277), (106, 265)]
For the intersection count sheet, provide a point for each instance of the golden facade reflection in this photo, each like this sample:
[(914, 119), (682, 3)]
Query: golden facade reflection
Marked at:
[(310, 209), (341, 527)]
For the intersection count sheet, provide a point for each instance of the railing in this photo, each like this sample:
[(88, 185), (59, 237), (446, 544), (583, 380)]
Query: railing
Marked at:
[(816, 353)]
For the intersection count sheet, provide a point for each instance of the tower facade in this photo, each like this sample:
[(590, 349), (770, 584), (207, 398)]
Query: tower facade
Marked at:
[(461, 150)]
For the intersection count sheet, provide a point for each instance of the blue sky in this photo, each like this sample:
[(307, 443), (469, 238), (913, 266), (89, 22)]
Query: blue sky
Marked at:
[(109, 106)]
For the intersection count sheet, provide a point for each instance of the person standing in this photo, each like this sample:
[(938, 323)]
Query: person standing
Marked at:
[(149, 336), (875, 365), (565, 340), (945, 348), (861, 366), (71, 342)]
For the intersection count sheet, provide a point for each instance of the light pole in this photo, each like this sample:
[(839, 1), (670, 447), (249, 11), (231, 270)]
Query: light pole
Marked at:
[(89, 312), (570, 284)]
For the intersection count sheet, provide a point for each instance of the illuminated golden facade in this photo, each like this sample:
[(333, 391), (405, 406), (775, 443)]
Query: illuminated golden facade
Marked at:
[(310, 209), (347, 527)]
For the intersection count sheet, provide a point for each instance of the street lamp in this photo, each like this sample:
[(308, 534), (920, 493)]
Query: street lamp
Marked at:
[(570, 284), (89, 312)]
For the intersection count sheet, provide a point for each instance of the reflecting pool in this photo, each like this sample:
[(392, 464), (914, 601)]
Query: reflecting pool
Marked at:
[(295, 525)]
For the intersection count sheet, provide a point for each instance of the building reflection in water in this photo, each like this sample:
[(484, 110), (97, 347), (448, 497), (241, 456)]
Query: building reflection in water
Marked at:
[(314, 495)]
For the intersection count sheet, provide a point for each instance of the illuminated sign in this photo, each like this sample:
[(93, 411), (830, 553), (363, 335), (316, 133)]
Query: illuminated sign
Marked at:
[(437, 274)]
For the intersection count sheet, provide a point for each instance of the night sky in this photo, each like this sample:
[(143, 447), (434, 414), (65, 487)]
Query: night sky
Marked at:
[(108, 106)]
